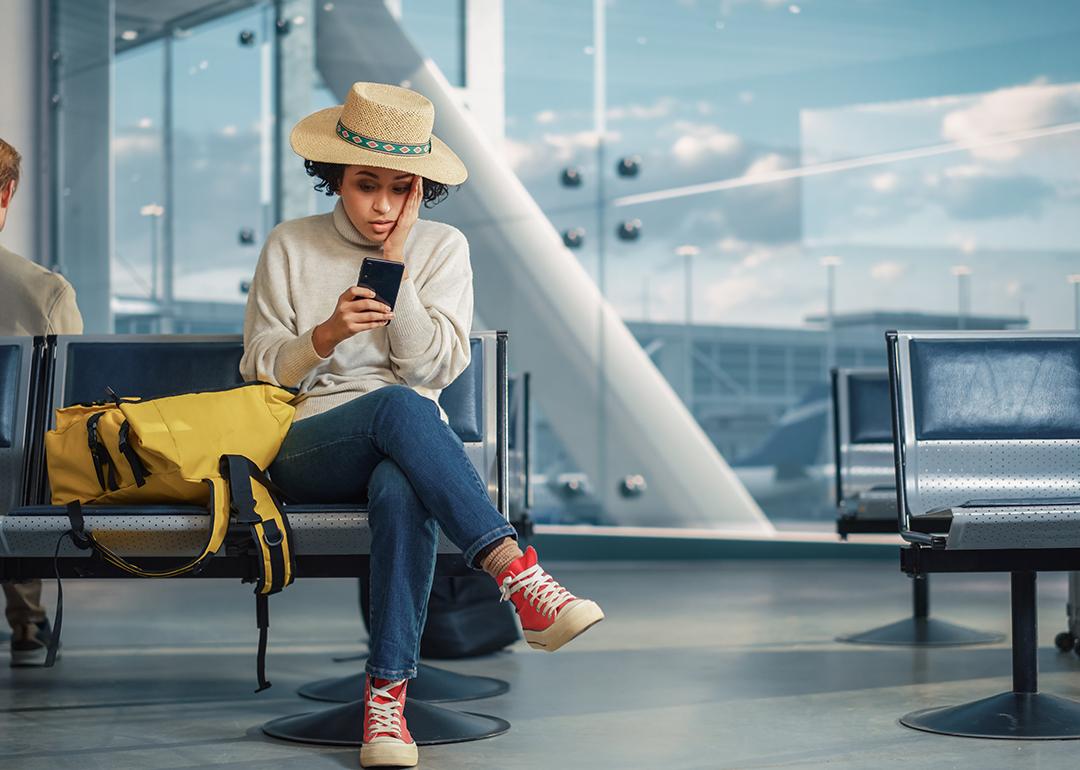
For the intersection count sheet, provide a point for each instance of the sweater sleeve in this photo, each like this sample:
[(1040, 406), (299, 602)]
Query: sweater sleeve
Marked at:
[(429, 334), (275, 350)]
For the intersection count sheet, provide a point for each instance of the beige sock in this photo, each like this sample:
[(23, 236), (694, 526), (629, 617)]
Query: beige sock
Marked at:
[(496, 562)]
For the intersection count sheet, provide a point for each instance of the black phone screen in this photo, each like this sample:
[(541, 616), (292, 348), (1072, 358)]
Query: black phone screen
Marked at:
[(383, 276)]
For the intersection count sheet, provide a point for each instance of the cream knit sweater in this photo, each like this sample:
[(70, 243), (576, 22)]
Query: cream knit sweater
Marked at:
[(304, 267)]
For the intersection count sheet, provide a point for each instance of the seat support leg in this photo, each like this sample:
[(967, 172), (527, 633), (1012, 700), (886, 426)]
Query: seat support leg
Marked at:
[(1022, 713), (920, 596)]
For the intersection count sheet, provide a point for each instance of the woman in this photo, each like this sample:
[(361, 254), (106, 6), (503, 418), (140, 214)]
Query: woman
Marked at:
[(368, 423)]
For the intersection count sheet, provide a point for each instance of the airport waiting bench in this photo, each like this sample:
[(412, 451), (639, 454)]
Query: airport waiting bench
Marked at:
[(987, 457), (865, 479), (38, 375), (862, 436)]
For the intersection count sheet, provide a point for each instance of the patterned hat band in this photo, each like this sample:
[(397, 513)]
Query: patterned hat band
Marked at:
[(376, 145)]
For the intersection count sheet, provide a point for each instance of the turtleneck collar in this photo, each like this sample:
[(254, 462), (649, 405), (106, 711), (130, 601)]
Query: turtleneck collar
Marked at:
[(348, 230)]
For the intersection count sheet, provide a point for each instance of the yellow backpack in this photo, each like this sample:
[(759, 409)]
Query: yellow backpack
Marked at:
[(207, 448)]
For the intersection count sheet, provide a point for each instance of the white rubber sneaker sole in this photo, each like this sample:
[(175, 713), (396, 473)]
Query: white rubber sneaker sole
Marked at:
[(573, 620), (30, 658), (391, 753)]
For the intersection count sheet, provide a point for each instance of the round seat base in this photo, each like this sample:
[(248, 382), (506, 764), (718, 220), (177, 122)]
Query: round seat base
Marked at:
[(923, 632), (343, 725), (1010, 715), (431, 685)]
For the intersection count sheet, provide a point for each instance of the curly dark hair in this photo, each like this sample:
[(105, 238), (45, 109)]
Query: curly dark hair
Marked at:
[(330, 174)]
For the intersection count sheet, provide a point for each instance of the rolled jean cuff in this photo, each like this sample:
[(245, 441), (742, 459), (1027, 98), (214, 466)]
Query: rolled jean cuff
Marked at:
[(391, 674), (506, 530)]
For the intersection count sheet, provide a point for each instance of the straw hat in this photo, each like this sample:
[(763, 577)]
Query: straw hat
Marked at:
[(379, 125)]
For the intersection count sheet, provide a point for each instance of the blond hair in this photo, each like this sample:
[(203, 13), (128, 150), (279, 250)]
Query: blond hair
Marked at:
[(9, 164)]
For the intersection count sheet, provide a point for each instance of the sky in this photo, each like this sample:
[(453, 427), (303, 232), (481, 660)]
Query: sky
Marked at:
[(906, 103), (740, 90)]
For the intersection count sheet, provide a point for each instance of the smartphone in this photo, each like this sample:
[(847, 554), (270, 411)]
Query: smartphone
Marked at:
[(383, 276)]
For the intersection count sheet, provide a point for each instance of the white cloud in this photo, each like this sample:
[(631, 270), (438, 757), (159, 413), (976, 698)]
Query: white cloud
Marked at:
[(546, 116), (562, 148), (565, 145), (1009, 110), (661, 108), (517, 154), (767, 164), (729, 293), (966, 244), (730, 245), (966, 171), (884, 182), (755, 258), (887, 271), (700, 140)]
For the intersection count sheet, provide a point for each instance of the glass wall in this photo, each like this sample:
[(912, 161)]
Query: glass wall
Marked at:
[(193, 138), (789, 180), (759, 188)]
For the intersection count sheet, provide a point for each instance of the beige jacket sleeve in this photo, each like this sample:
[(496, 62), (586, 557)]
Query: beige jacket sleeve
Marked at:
[(64, 316)]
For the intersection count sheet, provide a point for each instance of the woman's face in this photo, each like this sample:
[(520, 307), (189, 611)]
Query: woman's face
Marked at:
[(373, 198)]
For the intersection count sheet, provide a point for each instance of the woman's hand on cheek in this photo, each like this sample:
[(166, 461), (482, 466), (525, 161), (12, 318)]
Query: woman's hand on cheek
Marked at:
[(394, 245)]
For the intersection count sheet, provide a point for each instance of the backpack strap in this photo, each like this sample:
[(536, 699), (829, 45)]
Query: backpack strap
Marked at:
[(138, 469), (100, 455), (256, 507), (219, 526), (254, 504)]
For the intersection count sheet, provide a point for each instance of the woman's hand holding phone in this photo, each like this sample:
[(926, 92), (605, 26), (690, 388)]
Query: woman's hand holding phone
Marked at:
[(357, 311)]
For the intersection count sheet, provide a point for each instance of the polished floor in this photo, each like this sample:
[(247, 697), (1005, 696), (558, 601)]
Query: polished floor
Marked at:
[(723, 664)]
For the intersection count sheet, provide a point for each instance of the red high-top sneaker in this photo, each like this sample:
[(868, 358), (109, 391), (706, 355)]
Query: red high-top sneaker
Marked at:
[(387, 742), (550, 615)]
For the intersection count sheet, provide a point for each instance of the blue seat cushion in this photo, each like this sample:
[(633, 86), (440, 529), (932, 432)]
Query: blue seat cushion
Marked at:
[(870, 410), (10, 356), (1012, 388), (463, 399), (149, 369), (154, 369)]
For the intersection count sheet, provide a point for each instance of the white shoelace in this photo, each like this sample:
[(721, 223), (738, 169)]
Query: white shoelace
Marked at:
[(385, 717), (541, 590)]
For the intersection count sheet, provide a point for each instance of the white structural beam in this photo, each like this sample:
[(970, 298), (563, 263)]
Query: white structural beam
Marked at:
[(485, 66)]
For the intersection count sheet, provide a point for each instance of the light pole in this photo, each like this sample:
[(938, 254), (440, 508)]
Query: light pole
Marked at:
[(1074, 279), (688, 251), (963, 294), (830, 263), (154, 211)]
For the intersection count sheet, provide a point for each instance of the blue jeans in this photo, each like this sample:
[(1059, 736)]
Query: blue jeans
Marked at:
[(391, 447)]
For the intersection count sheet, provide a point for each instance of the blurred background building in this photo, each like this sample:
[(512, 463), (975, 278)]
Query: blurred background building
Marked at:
[(747, 192)]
